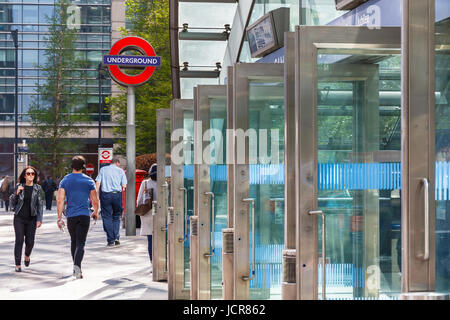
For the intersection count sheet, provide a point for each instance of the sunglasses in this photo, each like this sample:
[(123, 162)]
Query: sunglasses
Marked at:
[(30, 173)]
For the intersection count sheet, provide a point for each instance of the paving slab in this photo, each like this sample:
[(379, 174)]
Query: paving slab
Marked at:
[(109, 273)]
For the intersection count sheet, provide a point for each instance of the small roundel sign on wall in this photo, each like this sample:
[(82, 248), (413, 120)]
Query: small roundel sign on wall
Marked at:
[(115, 61)]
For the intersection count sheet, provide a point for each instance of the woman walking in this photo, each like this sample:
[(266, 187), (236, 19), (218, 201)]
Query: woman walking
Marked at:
[(147, 188), (28, 207), (6, 188)]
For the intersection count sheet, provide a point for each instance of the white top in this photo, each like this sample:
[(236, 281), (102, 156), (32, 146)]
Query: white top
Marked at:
[(147, 220)]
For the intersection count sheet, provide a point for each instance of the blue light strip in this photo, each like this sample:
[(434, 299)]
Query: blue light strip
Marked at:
[(338, 176)]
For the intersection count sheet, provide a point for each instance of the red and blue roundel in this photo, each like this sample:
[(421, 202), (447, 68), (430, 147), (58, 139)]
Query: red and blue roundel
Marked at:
[(148, 60)]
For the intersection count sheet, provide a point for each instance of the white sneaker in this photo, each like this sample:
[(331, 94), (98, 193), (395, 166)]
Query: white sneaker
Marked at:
[(77, 272)]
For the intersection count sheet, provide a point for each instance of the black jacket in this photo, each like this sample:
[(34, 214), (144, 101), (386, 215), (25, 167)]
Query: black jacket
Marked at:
[(37, 203), (49, 186)]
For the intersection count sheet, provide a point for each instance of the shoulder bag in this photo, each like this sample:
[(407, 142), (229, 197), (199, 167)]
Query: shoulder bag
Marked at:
[(145, 208)]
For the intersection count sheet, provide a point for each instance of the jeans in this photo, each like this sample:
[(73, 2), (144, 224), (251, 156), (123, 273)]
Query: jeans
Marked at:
[(78, 227), (25, 230), (149, 238), (111, 210)]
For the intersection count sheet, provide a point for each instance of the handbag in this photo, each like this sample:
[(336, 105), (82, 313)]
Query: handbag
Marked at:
[(145, 208)]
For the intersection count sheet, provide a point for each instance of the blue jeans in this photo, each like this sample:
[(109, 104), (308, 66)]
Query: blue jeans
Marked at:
[(149, 238), (111, 211)]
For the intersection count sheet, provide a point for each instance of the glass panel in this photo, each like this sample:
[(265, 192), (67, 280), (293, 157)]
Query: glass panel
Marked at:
[(319, 12), (187, 85), (359, 175), (188, 139), (30, 14), (442, 188), (218, 186), (168, 181), (266, 120)]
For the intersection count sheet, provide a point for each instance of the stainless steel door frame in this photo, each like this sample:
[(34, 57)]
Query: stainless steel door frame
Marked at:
[(227, 234), (193, 249), (289, 291), (308, 40), (418, 146), (203, 113), (242, 74), (159, 219), (176, 230)]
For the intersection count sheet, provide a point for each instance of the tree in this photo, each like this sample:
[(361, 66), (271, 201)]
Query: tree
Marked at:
[(55, 112), (148, 20)]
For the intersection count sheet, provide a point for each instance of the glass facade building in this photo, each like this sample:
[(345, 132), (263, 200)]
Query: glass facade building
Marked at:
[(92, 20)]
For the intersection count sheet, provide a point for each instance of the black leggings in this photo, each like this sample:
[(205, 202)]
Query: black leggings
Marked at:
[(78, 229), (25, 230)]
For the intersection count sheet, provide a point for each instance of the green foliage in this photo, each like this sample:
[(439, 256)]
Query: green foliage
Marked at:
[(148, 20), (54, 113)]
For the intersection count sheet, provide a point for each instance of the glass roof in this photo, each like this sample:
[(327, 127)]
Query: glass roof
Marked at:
[(202, 55)]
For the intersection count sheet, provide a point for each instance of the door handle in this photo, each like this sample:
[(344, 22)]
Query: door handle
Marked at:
[(185, 214), (426, 254), (252, 201), (211, 254), (320, 213)]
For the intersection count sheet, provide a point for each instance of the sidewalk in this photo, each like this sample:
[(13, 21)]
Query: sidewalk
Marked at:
[(120, 272)]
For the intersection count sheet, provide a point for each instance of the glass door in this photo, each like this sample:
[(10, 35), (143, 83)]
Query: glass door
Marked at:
[(258, 190), (442, 167), (211, 125), (160, 249), (181, 198), (348, 163)]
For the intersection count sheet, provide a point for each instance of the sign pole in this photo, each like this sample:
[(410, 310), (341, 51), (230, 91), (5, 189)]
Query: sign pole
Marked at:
[(148, 62), (130, 222)]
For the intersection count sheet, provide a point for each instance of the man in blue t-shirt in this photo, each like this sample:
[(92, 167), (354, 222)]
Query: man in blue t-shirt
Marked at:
[(77, 188)]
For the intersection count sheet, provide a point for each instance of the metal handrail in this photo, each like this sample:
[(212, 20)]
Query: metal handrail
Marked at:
[(213, 247), (426, 254), (319, 212), (248, 278)]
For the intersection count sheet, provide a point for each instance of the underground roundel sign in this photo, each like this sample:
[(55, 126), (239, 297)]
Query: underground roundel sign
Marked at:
[(148, 61)]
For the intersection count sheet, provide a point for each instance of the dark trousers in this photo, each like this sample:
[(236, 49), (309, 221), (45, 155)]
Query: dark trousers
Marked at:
[(78, 227), (149, 238), (6, 205), (25, 231), (48, 200), (111, 210)]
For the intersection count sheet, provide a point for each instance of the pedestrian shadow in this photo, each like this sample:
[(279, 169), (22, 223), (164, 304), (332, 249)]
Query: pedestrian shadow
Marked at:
[(128, 288), (41, 280)]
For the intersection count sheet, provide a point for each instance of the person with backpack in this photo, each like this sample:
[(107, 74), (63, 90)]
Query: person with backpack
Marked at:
[(27, 202)]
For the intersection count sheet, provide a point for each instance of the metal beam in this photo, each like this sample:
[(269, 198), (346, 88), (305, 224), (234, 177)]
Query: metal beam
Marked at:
[(210, 1), (199, 74), (203, 36)]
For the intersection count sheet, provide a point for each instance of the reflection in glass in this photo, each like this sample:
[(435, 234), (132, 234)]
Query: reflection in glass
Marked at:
[(218, 186), (188, 168), (359, 175), (442, 187), (266, 116)]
